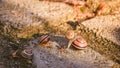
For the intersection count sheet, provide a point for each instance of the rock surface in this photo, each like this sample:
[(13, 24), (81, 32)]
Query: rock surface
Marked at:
[(107, 26), (52, 58), (20, 19)]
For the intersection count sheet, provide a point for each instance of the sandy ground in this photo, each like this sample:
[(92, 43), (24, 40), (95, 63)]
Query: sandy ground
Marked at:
[(26, 13)]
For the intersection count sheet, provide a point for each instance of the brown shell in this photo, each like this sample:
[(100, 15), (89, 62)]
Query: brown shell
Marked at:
[(79, 43), (27, 53), (44, 39), (70, 34)]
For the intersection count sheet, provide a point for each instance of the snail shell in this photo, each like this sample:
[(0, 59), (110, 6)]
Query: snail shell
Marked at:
[(70, 34), (27, 53), (44, 39), (79, 43)]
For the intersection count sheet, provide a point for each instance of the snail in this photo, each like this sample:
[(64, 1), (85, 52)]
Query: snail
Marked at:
[(79, 43), (26, 53), (76, 41), (44, 39)]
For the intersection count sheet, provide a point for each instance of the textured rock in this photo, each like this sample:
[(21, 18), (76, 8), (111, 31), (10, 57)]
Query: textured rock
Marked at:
[(104, 36), (110, 6), (24, 18), (52, 58), (106, 26)]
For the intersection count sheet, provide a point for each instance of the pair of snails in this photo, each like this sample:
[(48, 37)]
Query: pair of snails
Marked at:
[(76, 41)]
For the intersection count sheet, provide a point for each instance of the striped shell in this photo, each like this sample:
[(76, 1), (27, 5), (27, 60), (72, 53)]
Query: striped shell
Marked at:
[(27, 53), (44, 39), (79, 43)]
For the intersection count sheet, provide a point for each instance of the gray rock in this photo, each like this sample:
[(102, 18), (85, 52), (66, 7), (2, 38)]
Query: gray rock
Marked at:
[(52, 58)]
